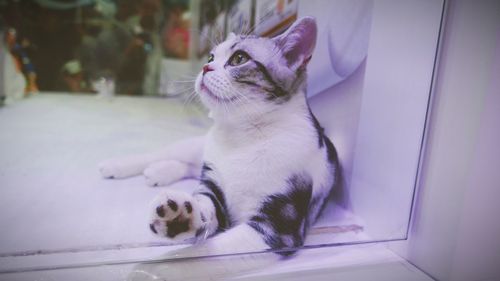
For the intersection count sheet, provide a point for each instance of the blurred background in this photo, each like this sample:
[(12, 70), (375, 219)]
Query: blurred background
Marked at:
[(70, 46)]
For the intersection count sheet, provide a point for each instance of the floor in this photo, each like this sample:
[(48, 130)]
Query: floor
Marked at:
[(371, 262), (56, 210)]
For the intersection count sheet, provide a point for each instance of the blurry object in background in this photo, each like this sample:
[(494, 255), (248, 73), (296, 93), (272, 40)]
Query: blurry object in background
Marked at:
[(18, 47), (52, 30), (105, 36), (108, 46), (3, 53), (175, 79), (151, 12), (211, 25), (72, 77), (175, 34), (105, 87), (121, 47), (344, 32), (14, 83), (240, 17), (273, 16), (63, 4), (176, 45)]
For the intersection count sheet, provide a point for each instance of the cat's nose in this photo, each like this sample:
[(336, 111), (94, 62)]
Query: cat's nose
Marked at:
[(207, 68)]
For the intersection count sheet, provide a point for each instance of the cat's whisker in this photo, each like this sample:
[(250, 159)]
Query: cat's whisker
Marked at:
[(254, 27), (213, 41), (183, 81), (244, 29), (225, 97), (245, 98), (247, 103), (189, 76), (184, 89), (220, 37), (191, 98)]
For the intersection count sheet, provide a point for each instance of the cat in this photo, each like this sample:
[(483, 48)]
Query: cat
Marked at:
[(267, 168)]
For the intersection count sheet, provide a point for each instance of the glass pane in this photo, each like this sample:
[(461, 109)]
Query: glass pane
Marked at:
[(90, 80)]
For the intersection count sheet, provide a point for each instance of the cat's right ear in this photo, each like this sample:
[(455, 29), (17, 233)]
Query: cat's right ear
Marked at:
[(298, 42)]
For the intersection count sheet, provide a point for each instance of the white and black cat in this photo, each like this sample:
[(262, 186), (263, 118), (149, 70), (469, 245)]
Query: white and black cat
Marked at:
[(266, 166)]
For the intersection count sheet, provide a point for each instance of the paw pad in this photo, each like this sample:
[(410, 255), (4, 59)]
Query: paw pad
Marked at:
[(176, 216)]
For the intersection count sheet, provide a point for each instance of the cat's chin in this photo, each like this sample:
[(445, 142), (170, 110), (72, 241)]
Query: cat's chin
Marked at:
[(213, 98)]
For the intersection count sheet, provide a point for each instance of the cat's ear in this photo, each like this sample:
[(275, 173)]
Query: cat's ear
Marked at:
[(298, 42)]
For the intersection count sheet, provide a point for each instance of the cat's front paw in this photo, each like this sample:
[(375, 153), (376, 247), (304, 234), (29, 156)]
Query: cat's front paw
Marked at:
[(177, 216)]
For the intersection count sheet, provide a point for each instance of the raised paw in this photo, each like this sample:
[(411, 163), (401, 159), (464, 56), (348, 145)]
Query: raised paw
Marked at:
[(165, 172), (176, 215)]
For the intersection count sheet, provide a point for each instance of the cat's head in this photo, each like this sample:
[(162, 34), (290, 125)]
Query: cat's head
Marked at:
[(249, 73)]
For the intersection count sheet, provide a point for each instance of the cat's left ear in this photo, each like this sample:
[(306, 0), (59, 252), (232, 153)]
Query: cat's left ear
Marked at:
[(298, 42)]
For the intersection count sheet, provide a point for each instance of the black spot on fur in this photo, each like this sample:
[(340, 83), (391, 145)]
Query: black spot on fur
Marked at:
[(176, 226), (259, 218), (172, 205), (247, 82), (319, 202), (279, 229), (338, 191), (216, 195), (277, 91), (219, 200), (215, 189), (205, 169), (160, 211), (200, 231), (152, 227), (220, 212), (319, 130), (189, 207), (331, 152)]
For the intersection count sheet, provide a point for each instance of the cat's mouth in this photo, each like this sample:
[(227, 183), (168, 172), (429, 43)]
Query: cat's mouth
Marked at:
[(206, 90)]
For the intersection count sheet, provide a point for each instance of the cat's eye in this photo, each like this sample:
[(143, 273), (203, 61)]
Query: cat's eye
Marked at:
[(238, 58), (210, 58)]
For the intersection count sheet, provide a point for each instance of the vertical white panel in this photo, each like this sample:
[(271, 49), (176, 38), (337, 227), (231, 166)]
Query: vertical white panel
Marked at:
[(455, 229), (397, 82)]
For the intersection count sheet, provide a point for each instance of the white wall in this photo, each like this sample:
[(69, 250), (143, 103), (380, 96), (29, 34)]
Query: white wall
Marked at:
[(455, 230), (376, 116)]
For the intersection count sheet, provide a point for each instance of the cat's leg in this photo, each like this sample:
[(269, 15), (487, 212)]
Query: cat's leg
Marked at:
[(280, 225), (169, 171), (188, 151)]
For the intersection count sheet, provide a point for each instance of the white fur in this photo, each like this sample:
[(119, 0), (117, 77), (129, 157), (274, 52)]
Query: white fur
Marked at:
[(255, 161), (166, 172), (188, 152), (254, 146)]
